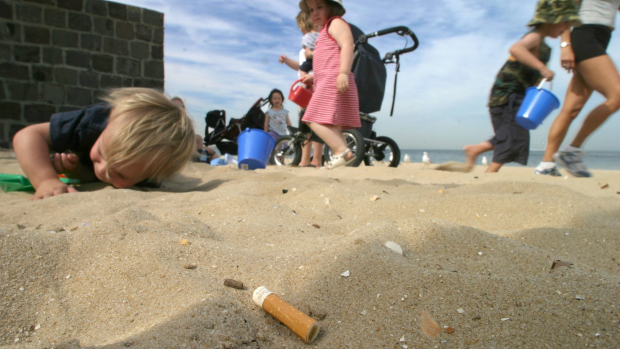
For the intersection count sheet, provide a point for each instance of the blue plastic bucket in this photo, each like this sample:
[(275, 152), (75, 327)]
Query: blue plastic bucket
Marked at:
[(255, 147), (537, 105)]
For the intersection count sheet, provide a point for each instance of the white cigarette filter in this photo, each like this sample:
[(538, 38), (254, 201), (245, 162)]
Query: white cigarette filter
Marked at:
[(304, 326)]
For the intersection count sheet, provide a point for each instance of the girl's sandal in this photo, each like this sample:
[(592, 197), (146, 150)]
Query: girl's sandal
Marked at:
[(339, 160)]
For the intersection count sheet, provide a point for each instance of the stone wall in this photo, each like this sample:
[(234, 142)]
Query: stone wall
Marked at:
[(59, 55)]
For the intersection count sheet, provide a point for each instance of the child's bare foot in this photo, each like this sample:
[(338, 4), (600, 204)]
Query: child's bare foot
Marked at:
[(470, 156)]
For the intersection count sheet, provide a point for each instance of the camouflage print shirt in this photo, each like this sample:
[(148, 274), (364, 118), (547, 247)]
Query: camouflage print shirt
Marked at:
[(516, 77)]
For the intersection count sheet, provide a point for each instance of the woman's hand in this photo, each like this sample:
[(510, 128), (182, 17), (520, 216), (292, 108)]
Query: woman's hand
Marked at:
[(567, 58), (342, 82)]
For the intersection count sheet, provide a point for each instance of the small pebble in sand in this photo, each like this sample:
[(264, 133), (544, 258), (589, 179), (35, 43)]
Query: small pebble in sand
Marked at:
[(374, 198), (364, 312), (479, 253), (449, 330), (581, 298), (460, 310), (346, 274), (184, 242), (442, 191), (326, 201), (402, 339), (505, 318), (38, 326), (422, 211), (605, 186), (190, 266)]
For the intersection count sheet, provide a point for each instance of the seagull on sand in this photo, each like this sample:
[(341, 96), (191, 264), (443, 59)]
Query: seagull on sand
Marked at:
[(407, 159), (484, 161), (426, 160)]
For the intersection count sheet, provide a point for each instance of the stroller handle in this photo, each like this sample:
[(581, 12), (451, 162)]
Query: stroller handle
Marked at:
[(400, 30)]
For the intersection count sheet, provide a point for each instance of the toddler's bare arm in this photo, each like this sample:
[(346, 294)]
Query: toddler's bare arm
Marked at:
[(31, 146)]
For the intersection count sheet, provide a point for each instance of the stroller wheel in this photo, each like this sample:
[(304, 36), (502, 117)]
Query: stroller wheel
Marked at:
[(355, 142), (286, 152), (382, 150)]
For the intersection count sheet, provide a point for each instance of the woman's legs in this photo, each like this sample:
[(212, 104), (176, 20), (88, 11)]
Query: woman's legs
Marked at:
[(577, 95), (601, 75)]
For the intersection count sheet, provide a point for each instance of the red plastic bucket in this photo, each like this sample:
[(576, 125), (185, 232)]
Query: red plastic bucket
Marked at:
[(300, 94)]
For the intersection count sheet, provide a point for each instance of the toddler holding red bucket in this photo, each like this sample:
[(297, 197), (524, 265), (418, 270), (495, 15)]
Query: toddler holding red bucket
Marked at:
[(524, 68)]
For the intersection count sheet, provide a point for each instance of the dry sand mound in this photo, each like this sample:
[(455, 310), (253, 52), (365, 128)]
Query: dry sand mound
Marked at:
[(105, 268)]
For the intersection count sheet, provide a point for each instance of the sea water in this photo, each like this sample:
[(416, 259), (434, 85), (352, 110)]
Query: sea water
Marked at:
[(596, 160)]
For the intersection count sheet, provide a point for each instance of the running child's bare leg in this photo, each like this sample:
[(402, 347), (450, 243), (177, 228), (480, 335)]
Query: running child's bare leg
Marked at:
[(472, 152), (494, 167)]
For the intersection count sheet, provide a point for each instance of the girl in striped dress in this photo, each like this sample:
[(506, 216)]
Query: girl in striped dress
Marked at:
[(334, 105)]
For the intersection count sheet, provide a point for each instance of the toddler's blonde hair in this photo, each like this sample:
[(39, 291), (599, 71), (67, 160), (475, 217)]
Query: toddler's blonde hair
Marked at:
[(304, 22), (150, 128)]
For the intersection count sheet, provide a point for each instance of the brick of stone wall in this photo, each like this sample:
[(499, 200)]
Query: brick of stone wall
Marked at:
[(59, 55)]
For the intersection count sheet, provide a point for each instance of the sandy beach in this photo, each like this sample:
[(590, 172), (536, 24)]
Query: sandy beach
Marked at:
[(145, 268)]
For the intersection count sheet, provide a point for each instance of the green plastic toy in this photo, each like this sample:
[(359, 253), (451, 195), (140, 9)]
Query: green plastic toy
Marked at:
[(13, 182)]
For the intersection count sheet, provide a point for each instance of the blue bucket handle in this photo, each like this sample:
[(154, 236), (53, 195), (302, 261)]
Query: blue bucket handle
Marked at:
[(542, 82)]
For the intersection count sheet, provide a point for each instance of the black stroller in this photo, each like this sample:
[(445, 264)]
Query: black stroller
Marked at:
[(225, 137), (370, 76)]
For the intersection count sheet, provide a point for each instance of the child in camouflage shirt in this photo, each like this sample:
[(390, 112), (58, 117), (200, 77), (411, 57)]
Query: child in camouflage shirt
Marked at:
[(525, 67)]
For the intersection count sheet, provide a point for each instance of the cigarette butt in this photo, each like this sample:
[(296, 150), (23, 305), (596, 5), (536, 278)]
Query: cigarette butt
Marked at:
[(304, 326)]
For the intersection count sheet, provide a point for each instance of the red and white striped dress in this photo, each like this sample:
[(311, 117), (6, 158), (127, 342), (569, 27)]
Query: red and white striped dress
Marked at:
[(327, 106)]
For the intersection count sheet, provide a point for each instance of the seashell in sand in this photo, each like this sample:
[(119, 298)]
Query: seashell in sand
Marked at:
[(429, 327), (374, 198), (394, 247), (558, 263)]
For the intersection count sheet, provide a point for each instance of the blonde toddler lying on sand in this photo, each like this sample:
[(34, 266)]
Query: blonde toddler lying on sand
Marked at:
[(136, 135)]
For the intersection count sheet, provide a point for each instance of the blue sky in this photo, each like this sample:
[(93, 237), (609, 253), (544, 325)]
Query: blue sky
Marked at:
[(223, 54)]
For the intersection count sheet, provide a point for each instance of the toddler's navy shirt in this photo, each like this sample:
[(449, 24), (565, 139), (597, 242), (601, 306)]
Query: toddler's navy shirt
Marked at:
[(77, 131)]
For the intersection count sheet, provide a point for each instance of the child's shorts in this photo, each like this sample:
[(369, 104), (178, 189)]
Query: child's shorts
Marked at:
[(589, 41), (511, 142), (306, 66), (274, 135)]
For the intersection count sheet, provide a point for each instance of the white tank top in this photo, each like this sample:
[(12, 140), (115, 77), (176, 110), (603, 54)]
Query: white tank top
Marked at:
[(599, 12)]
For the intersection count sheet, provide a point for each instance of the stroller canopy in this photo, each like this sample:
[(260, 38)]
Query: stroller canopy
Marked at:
[(370, 75)]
